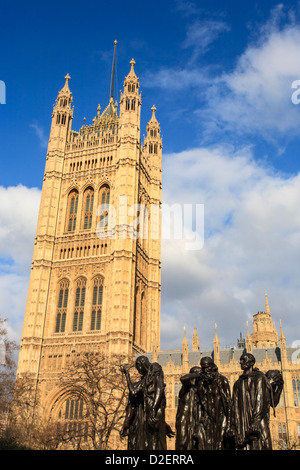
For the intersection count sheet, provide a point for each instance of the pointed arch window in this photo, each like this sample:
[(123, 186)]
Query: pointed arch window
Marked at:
[(72, 210), (104, 201), (296, 390), (88, 208), (79, 305), (62, 306), (97, 304), (73, 419)]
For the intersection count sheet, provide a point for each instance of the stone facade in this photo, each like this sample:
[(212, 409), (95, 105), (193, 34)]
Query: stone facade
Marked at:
[(96, 272)]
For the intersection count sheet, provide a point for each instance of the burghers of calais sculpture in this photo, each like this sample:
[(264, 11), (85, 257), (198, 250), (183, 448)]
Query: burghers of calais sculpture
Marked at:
[(215, 408), (207, 417), (187, 415), (253, 395), (144, 422)]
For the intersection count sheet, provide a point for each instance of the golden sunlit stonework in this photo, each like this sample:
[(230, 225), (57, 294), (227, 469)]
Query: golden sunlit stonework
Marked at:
[(95, 281), (96, 272)]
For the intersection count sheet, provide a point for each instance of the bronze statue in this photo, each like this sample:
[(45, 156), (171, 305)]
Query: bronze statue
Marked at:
[(145, 423), (253, 394), (215, 408), (187, 415), (276, 382)]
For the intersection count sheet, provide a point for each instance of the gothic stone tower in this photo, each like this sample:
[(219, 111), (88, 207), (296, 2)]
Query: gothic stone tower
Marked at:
[(95, 276)]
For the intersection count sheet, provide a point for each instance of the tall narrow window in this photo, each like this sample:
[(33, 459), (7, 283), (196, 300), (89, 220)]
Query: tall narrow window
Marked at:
[(296, 390), (282, 434), (88, 208), (72, 210), (97, 304), (104, 201), (62, 306), (72, 419), (79, 305)]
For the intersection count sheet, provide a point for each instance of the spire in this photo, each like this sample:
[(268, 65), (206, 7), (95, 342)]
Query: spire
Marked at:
[(66, 85), (155, 349), (185, 353), (185, 341), (153, 117), (216, 343), (267, 308), (282, 343), (281, 335), (248, 340), (195, 340), (62, 115), (132, 72), (113, 72), (65, 91)]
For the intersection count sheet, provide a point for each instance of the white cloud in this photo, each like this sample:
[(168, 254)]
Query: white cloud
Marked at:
[(18, 218), (40, 133), (256, 95), (252, 234), (253, 99), (202, 33), (176, 78)]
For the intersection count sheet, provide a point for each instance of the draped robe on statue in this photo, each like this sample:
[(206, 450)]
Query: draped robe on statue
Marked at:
[(215, 406), (147, 395), (251, 400), (187, 417)]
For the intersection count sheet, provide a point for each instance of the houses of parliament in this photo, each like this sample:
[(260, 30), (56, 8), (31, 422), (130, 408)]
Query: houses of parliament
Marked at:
[(95, 282)]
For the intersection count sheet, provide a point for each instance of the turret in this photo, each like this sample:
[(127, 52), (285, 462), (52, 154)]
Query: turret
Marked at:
[(264, 331), (153, 144), (130, 107), (61, 118)]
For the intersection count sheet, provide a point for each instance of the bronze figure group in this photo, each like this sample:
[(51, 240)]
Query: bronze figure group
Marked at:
[(208, 416)]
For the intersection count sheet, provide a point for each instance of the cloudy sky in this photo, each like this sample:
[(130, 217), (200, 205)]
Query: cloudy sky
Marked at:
[(223, 77)]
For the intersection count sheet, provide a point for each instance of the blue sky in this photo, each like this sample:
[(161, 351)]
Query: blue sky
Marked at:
[(220, 75)]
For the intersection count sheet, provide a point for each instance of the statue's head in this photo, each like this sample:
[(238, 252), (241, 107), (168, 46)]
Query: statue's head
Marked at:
[(208, 368), (274, 377), (142, 364), (247, 360), (195, 369)]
